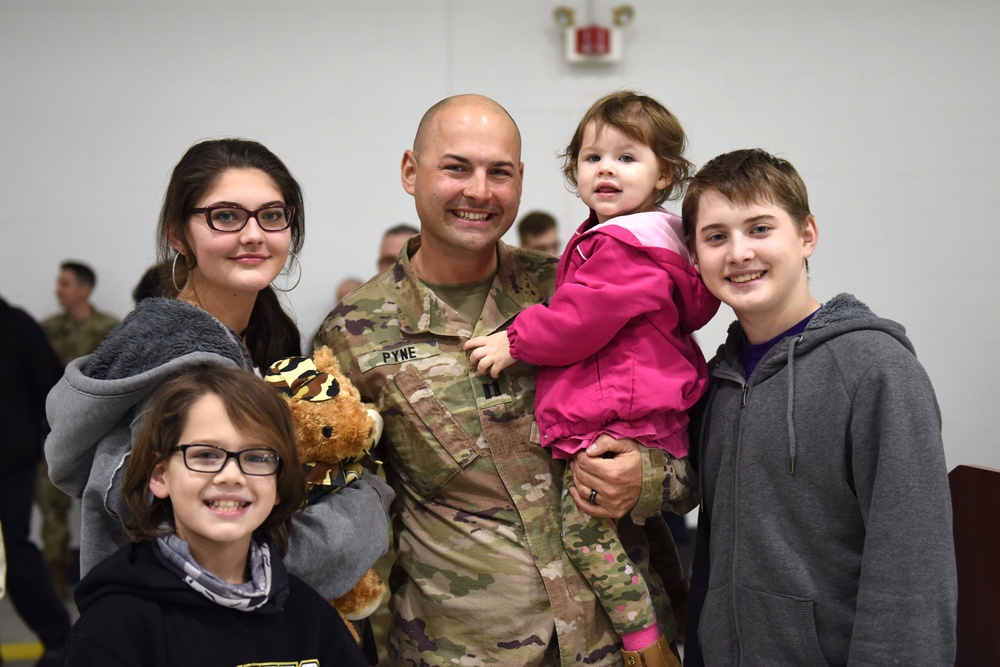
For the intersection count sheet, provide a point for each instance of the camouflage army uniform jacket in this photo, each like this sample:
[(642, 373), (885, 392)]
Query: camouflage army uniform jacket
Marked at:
[(481, 576), (72, 339)]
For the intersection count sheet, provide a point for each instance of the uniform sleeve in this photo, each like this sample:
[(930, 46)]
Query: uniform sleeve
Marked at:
[(614, 285), (906, 606), (336, 540), (668, 484)]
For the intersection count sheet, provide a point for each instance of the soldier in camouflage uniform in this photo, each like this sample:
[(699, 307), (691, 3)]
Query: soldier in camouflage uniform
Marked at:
[(481, 576), (80, 328), (75, 332)]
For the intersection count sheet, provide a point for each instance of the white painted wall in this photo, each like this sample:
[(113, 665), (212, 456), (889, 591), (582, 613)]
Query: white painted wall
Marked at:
[(888, 108)]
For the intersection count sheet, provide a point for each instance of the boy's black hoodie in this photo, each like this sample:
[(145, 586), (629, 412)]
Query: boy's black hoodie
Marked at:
[(134, 611)]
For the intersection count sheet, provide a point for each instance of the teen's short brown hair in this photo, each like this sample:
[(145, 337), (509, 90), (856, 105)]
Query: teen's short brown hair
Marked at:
[(747, 176)]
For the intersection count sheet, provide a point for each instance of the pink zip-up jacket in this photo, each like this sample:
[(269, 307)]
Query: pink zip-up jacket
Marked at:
[(614, 345)]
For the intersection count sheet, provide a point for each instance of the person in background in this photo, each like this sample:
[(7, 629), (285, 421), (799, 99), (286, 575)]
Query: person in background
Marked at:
[(232, 221), (480, 573), (29, 370), (149, 284), (346, 286), (825, 532), (211, 486), (73, 333), (538, 231), (80, 327), (393, 241)]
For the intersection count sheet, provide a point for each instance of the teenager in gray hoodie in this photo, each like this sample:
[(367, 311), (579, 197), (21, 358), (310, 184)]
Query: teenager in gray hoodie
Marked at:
[(825, 532)]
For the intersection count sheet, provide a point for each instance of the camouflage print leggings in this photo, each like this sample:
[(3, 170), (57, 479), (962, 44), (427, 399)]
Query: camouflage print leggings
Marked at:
[(594, 547)]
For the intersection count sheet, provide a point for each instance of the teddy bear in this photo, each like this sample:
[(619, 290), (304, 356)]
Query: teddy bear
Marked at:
[(334, 430)]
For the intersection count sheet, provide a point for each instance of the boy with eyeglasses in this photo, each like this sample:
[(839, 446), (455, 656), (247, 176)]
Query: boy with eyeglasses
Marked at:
[(203, 582)]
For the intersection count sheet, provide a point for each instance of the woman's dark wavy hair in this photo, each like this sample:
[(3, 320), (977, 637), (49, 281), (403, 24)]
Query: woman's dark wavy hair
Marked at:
[(252, 406), (271, 333)]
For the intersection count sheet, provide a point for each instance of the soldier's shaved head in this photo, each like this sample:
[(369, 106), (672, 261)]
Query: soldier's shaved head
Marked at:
[(471, 104)]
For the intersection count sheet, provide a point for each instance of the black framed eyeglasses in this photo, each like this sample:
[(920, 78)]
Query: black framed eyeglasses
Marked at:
[(211, 459), (230, 218)]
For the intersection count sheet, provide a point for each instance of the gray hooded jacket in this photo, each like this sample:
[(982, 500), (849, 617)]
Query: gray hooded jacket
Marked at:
[(95, 413), (825, 536)]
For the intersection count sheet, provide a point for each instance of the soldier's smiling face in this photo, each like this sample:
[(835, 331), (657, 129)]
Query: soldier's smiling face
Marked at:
[(465, 177)]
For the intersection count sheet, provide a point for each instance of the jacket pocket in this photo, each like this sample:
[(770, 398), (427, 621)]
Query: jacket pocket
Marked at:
[(778, 630), (774, 629), (430, 443)]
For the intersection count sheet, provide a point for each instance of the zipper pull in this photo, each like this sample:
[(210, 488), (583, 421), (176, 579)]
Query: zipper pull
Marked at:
[(743, 401)]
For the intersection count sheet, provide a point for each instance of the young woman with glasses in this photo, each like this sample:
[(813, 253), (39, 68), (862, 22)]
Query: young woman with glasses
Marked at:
[(210, 487), (231, 217)]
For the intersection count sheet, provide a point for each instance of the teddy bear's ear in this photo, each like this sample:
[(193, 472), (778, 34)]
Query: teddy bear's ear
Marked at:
[(281, 372), (325, 361), (298, 378)]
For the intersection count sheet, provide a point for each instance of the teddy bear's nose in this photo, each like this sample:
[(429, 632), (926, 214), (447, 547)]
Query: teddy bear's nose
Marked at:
[(327, 431)]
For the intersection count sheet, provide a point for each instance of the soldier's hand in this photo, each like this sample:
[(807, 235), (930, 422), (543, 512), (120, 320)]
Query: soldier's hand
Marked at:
[(612, 468)]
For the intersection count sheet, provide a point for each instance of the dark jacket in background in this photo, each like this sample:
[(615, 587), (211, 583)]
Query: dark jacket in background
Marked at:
[(29, 368)]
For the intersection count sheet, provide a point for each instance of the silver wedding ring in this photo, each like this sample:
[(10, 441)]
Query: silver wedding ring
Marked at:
[(593, 496)]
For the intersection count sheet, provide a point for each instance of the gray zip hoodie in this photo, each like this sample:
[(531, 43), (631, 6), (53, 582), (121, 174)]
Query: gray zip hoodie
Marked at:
[(825, 536), (95, 413)]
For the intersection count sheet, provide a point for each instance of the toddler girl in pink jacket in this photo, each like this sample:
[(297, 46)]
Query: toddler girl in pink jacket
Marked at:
[(614, 345)]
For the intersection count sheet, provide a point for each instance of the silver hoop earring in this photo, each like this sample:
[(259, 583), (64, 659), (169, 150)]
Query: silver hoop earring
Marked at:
[(173, 274), (295, 263)]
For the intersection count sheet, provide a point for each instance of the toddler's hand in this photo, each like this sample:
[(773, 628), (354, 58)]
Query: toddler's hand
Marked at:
[(490, 354)]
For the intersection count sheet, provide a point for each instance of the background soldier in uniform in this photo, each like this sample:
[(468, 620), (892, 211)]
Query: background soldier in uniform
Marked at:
[(75, 332)]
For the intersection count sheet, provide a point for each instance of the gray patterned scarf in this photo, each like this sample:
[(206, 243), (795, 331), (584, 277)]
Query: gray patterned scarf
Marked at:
[(247, 596)]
